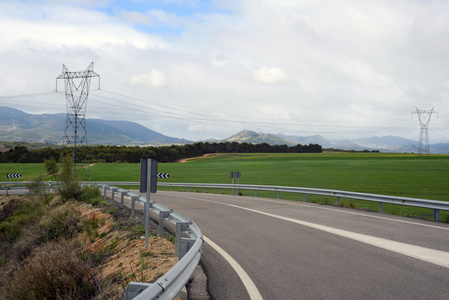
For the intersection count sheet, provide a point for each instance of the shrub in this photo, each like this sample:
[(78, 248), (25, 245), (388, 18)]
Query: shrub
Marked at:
[(69, 185), (55, 271), (90, 226), (92, 195), (39, 189), (17, 214), (61, 222)]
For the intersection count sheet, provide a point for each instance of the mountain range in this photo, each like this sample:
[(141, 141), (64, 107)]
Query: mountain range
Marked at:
[(17, 126), (384, 144)]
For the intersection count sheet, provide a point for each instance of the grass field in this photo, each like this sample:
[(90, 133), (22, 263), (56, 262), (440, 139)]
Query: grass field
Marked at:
[(407, 175)]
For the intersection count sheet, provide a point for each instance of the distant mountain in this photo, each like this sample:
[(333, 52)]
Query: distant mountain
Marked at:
[(384, 144), (16, 125), (252, 137)]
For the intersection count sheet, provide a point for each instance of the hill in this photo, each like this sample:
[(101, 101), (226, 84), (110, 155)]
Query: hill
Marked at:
[(18, 126), (252, 137), (385, 144)]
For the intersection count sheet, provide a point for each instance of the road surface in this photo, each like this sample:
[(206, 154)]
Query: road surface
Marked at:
[(260, 248)]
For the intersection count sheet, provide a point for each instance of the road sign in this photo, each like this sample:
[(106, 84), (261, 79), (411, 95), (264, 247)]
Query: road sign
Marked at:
[(148, 175), (163, 175), (235, 174), (14, 175)]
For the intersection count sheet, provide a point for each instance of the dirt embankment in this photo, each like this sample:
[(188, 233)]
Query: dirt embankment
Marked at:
[(107, 242)]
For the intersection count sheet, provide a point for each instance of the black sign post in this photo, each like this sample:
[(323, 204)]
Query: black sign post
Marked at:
[(235, 175), (148, 185)]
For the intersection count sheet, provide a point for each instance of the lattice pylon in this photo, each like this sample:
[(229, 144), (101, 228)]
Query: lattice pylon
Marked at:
[(424, 117), (77, 85)]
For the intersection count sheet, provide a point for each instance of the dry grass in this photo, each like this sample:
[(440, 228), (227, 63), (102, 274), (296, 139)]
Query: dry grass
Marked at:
[(73, 250)]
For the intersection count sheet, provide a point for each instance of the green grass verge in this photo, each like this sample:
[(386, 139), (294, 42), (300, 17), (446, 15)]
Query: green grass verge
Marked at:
[(405, 175)]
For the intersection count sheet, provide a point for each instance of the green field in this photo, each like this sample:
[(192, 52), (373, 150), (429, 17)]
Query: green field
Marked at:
[(407, 175)]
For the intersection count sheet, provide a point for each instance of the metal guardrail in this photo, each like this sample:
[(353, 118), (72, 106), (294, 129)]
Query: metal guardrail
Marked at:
[(435, 205), (188, 249)]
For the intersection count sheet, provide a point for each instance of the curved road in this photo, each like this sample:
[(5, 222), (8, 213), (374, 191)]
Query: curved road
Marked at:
[(295, 250)]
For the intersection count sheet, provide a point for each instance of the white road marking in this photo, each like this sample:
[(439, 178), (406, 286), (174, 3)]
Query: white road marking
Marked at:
[(345, 212), (437, 257), (247, 282)]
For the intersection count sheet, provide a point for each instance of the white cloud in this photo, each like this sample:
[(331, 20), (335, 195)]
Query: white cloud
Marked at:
[(154, 78), (272, 76), (263, 64)]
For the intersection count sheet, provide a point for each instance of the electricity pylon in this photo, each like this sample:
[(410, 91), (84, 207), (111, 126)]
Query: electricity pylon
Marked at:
[(424, 120), (77, 86)]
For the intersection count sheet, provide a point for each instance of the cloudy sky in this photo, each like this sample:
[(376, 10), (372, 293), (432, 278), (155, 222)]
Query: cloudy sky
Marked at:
[(208, 69)]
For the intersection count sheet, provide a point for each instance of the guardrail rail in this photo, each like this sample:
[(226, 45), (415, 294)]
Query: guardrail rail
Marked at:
[(435, 205), (188, 249)]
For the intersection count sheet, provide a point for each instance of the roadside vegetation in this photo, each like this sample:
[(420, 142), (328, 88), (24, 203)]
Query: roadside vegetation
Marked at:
[(73, 245)]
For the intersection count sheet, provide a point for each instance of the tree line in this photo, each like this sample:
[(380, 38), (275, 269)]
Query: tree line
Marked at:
[(133, 154)]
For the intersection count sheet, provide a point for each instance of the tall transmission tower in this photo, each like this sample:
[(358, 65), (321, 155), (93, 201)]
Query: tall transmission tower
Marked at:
[(77, 86), (424, 120)]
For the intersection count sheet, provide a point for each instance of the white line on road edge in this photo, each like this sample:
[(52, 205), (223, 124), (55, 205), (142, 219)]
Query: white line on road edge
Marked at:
[(247, 282), (437, 257), (323, 207)]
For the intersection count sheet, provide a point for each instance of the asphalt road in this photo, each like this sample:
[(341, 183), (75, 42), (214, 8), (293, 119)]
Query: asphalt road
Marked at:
[(296, 250)]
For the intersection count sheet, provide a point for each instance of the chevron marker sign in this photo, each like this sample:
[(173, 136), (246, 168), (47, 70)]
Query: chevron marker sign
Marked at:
[(14, 175), (163, 175)]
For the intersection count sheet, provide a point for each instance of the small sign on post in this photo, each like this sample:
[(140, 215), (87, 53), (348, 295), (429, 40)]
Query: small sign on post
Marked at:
[(235, 175), (163, 175), (148, 185), (13, 175)]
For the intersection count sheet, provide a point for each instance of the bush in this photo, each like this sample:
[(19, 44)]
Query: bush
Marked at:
[(61, 222), (55, 271), (69, 185), (39, 189), (15, 215), (92, 195)]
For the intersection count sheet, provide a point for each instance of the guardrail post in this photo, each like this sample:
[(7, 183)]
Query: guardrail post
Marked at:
[(133, 204), (279, 193), (180, 227), (219, 190), (184, 246), (105, 188), (188, 189), (381, 207), (134, 289), (338, 201), (123, 193), (236, 191), (305, 198), (162, 215), (255, 193), (7, 189), (113, 190), (436, 215), (172, 188), (203, 190)]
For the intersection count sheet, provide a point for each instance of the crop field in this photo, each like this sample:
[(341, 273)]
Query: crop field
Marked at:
[(407, 175)]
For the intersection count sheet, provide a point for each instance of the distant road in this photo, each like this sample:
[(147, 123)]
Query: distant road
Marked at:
[(296, 250)]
